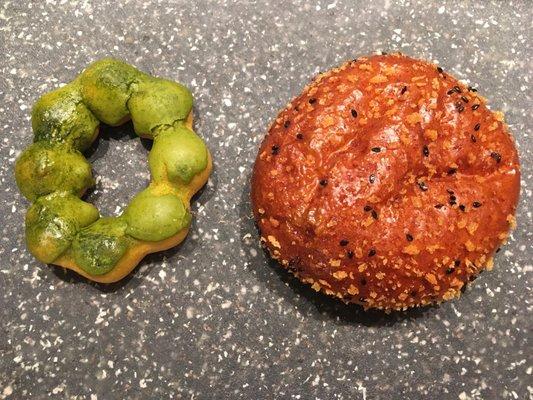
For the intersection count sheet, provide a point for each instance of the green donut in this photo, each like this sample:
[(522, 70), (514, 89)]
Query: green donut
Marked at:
[(46, 167), (53, 173)]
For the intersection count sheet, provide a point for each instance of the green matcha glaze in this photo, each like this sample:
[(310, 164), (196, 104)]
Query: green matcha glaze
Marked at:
[(61, 116), (106, 86), (45, 167), (53, 173), (158, 102), (98, 247), (178, 155), (53, 221), (156, 216)]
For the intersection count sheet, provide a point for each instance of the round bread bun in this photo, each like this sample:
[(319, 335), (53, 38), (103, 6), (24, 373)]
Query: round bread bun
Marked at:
[(386, 183)]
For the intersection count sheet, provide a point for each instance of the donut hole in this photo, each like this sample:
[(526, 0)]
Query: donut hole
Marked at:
[(120, 167)]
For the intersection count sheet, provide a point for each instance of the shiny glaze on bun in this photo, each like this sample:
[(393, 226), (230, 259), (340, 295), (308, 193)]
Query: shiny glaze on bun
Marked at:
[(386, 183)]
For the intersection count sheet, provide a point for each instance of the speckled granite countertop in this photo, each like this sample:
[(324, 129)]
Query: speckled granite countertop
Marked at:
[(214, 318)]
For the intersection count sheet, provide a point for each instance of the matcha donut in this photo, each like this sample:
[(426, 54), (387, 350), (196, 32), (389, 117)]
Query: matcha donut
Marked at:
[(52, 172)]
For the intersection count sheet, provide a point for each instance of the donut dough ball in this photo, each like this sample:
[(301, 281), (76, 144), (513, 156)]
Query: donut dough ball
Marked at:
[(46, 167)]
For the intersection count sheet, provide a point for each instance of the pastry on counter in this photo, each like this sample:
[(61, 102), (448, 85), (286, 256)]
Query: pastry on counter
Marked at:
[(53, 174), (387, 183)]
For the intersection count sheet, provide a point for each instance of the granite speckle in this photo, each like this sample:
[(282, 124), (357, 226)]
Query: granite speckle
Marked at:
[(214, 317)]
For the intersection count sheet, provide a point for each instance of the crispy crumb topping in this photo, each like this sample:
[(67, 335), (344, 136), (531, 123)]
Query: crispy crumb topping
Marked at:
[(388, 181)]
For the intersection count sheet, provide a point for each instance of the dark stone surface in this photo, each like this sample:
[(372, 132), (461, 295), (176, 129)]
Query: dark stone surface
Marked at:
[(214, 318)]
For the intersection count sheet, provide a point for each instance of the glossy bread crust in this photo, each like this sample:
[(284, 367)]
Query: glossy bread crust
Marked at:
[(387, 183)]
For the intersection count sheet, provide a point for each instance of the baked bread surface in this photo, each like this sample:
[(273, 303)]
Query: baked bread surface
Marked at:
[(387, 183)]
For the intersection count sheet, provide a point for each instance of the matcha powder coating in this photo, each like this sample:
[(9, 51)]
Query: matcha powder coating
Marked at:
[(53, 173)]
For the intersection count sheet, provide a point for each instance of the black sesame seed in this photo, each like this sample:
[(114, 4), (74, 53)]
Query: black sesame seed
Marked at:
[(354, 113), (299, 136), (496, 156), (286, 124), (312, 100), (450, 191), (462, 207), (452, 202), (422, 185), (425, 151), (404, 89), (498, 249), (464, 99), (453, 198), (457, 263), (275, 149), (477, 126), (372, 253), (450, 271), (367, 208), (354, 60), (294, 261), (409, 237), (323, 182), (450, 92), (374, 214), (383, 53), (475, 107), (350, 253), (457, 89), (452, 171), (344, 242), (440, 70), (439, 206), (376, 149), (372, 178), (476, 204), (471, 89), (473, 138), (460, 107)]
